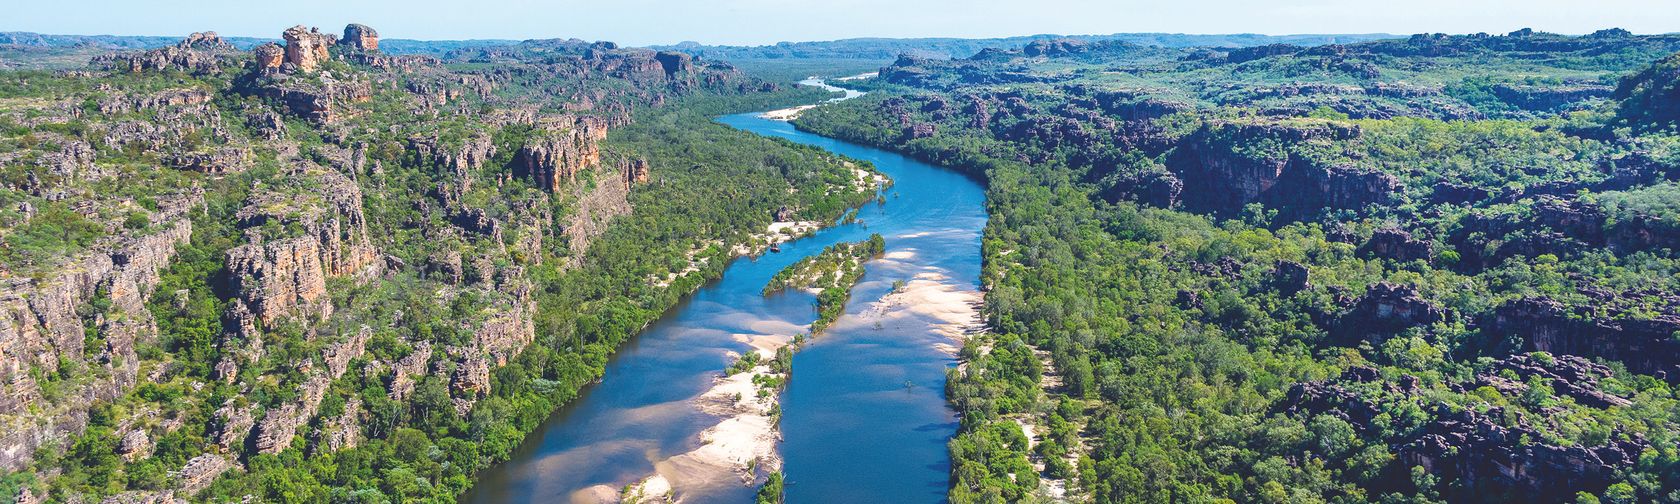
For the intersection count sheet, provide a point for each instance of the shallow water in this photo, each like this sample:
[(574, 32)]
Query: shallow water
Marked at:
[(864, 416)]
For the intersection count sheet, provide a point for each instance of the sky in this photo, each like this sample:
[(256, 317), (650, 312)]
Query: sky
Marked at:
[(757, 22)]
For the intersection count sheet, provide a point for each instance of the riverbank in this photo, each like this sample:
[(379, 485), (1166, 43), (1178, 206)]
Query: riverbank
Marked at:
[(868, 404)]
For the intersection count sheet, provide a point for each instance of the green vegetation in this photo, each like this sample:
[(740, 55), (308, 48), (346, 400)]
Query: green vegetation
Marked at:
[(448, 281), (1155, 342), (831, 273)]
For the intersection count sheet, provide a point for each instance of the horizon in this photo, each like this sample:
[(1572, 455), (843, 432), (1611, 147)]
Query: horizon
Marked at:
[(333, 29), (769, 23)]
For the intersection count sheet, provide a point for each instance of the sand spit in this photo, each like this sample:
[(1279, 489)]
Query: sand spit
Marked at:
[(740, 450), (929, 298), (778, 232), (787, 114), (861, 76)]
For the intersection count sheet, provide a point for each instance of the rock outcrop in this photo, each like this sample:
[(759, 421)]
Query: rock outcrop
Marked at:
[(561, 148), (324, 99), (1644, 345), (360, 37), (1568, 375), (1396, 244), (269, 56), (342, 431), (462, 160), (197, 474), (1479, 447), (199, 53), (1481, 451), (306, 48), (135, 445), (1222, 170), (1387, 309), (1289, 277), (232, 426), (286, 275), (411, 365)]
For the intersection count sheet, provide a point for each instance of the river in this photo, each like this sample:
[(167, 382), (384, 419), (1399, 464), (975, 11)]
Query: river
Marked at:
[(864, 417)]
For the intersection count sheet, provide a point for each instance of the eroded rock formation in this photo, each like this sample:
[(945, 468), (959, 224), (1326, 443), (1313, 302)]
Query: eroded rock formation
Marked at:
[(1645, 345), (561, 148), (42, 325), (360, 37), (306, 48), (286, 275)]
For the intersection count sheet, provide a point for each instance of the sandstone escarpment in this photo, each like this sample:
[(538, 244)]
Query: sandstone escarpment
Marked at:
[(1644, 345), (561, 148), (286, 275), (45, 323), (598, 205), (1225, 167)]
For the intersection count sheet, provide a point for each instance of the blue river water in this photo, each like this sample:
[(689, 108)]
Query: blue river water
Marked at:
[(864, 417)]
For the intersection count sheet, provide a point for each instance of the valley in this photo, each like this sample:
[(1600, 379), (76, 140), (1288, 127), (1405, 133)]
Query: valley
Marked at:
[(328, 266)]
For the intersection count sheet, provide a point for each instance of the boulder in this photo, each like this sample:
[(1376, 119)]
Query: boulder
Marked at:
[(135, 445)]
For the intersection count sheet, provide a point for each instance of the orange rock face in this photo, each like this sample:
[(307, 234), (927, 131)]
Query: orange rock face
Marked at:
[(360, 37), (306, 48), (269, 56)]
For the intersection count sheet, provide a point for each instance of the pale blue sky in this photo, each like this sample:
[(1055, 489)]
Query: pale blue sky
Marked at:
[(642, 22)]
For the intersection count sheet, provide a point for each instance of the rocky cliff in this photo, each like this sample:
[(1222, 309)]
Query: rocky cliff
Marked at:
[(1227, 166), (285, 274), (1644, 344), (45, 324), (562, 147)]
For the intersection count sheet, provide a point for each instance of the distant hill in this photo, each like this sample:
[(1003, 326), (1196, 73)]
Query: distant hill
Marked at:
[(395, 46), (858, 48), (889, 48)]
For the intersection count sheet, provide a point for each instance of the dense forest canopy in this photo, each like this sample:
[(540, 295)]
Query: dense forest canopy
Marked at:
[(1424, 269)]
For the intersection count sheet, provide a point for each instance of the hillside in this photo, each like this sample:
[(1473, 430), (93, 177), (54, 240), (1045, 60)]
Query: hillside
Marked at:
[(318, 271)]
